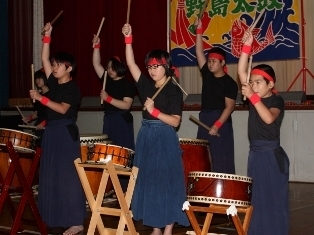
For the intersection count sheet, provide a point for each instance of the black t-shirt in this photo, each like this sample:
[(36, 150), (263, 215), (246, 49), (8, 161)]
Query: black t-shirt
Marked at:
[(67, 93), (169, 100), (214, 90), (258, 129), (118, 89)]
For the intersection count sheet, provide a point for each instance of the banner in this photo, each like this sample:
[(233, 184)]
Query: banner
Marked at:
[(276, 34)]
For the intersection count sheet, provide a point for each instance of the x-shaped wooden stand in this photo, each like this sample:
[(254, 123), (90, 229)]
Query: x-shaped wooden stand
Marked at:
[(124, 212), (27, 195), (219, 209)]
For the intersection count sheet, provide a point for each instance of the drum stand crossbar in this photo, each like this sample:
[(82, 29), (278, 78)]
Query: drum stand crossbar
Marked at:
[(124, 212), (219, 209), (27, 196)]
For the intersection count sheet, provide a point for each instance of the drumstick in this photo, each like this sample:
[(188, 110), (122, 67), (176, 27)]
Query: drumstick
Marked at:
[(201, 124), (54, 19), (33, 85), (248, 72), (25, 126), (100, 26), (159, 90), (200, 14), (128, 12), (175, 81), (20, 112), (104, 86), (257, 19)]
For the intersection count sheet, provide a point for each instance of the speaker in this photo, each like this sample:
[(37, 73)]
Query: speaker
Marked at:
[(297, 97)]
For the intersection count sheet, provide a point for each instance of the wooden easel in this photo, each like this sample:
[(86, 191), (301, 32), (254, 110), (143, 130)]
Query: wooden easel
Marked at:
[(219, 209), (124, 212)]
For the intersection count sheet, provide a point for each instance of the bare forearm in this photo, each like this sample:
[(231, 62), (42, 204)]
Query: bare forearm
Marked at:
[(172, 120)]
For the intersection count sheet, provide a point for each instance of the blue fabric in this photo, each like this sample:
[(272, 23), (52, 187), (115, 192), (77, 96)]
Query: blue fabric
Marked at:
[(270, 199), (160, 189), (61, 200), (221, 148)]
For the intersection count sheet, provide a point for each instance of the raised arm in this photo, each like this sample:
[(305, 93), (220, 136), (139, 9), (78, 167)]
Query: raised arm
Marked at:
[(45, 53), (129, 55), (243, 60), (99, 69), (201, 59)]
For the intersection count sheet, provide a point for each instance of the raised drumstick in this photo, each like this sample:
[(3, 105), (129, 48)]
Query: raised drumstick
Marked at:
[(200, 14), (175, 81), (159, 90), (128, 12), (257, 19), (20, 112), (33, 85), (248, 72), (54, 19), (100, 26), (104, 85), (201, 124)]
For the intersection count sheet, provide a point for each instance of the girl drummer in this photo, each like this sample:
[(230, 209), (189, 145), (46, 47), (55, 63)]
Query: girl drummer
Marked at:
[(159, 192), (268, 164)]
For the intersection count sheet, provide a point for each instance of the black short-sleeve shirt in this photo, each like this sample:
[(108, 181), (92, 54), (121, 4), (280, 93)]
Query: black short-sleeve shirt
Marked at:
[(68, 93), (214, 90), (258, 129), (169, 100)]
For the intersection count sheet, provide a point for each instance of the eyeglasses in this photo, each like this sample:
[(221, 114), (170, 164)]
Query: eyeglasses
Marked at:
[(154, 66)]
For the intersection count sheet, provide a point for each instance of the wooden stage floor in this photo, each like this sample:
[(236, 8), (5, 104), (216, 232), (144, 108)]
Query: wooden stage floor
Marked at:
[(301, 217)]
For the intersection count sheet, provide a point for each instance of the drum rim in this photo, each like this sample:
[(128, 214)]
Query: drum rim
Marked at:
[(19, 132), (93, 136), (217, 200), (215, 175), (22, 149), (130, 150), (195, 140)]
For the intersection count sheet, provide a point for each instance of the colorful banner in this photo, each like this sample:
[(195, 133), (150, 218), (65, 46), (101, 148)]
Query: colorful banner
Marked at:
[(276, 34)]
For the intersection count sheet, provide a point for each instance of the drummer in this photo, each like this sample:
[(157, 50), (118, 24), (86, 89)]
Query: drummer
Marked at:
[(39, 113)]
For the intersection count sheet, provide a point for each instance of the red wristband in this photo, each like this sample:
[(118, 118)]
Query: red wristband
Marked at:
[(218, 124), (255, 99), (97, 45), (128, 39), (155, 113), (246, 49), (44, 100), (109, 99), (43, 123), (199, 31), (46, 39)]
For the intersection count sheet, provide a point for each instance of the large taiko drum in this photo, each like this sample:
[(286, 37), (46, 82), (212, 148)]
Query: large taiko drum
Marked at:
[(93, 174), (218, 188), (196, 155), (120, 156), (23, 143)]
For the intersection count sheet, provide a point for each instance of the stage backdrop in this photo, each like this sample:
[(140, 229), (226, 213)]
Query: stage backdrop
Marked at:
[(276, 35)]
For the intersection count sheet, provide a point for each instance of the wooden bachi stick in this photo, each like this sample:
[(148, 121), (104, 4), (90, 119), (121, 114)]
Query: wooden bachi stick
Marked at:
[(159, 90), (248, 72), (104, 85), (100, 26), (54, 19), (20, 112), (33, 82), (128, 12), (201, 123)]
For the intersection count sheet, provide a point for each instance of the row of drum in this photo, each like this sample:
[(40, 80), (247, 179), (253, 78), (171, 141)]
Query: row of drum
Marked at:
[(203, 186)]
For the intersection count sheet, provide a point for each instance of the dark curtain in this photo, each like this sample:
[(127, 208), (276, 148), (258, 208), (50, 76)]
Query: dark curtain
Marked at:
[(73, 32)]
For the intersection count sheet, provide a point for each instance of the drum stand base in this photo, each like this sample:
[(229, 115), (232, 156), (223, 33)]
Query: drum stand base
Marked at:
[(219, 209), (124, 212)]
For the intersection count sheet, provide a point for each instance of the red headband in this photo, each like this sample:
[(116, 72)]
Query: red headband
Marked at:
[(216, 56), (117, 57), (154, 61), (263, 73)]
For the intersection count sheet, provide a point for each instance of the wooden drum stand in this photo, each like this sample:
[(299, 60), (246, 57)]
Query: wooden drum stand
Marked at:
[(124, 212)]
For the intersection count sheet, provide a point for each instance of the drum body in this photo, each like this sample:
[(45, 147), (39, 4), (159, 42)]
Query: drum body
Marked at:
[(93, 174), (218, 188), (119, 155), (196, 155), (21, 141)]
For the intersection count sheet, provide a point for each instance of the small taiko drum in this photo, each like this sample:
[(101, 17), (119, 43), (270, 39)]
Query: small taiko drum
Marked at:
[(218, 188), (120, 156), (196, 155), (93, 174), (23, 143)]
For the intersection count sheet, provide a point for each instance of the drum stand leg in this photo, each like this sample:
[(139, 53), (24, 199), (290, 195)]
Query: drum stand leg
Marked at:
[(219, 209), (96, 204)]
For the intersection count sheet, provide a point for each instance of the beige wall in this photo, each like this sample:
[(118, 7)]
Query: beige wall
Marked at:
[(286, 70)]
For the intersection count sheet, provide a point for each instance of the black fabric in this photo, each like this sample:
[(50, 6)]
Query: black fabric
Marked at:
[(73, 131), (169, 100), (282, 160)]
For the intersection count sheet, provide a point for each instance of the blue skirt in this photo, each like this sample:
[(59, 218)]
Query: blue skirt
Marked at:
[(221, 148), (160, 189), (270, 199), (61, 199)]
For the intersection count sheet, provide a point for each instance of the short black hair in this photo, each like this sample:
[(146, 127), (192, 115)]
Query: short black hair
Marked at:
[(219, 51), (161, 56), (66, 58), (40, 74), (267, 69), (118, 66)]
